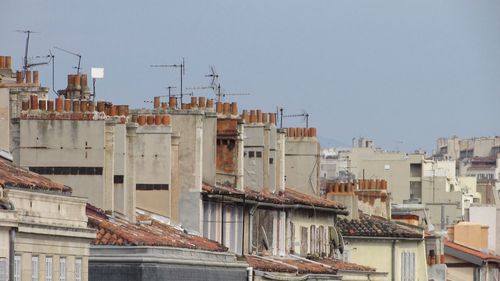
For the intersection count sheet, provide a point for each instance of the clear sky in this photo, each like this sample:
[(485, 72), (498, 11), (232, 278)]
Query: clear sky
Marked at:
[(402, 72)]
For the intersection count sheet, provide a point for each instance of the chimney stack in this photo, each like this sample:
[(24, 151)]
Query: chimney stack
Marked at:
[(156, 102)]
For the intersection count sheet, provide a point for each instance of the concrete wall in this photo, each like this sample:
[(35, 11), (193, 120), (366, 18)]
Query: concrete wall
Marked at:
[(209, 147), (361, 251), (490, 216), (153, 161), (189, 126), (302, 160), (254, 156), (4, 119)]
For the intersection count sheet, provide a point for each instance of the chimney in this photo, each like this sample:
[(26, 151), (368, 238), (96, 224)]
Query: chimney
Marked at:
[(2, 62), (27, 77), (165, 120), (76, 106), (8, 62), (299, 132), (272, 118), (59, 104), (19, 77), (245, 116), (264, 118), (164, 105), (291, 132), (312, 132), (112, 110), (201, 102), (101, 106), (253, 117), (234, 109), (210, 103), (25, 105), (156, 102), (343, 193), (67, 105), (141, 119), (172, 102), (42, 105), (259, 116), (218, 107), (150, 119), (35, 77), (157, 119), (194, 102), (34, 102)]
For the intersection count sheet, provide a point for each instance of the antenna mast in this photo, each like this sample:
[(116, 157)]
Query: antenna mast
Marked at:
[(74, 54), (182, 67)]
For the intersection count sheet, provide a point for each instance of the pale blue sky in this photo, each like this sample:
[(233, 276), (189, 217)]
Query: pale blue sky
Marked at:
[(402, 72)]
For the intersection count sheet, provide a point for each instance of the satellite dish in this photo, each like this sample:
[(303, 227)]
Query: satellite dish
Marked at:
[(336, 237)]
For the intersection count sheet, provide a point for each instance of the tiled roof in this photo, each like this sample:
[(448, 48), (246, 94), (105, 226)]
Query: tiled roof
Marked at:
[(291, 264), (471, 251), (148, 232), (342, 265), (374, 227), (289, 197), (14, 176)]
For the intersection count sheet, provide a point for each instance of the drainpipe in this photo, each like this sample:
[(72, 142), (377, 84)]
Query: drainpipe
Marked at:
[(12, 240), (250, 273), (393, 261)]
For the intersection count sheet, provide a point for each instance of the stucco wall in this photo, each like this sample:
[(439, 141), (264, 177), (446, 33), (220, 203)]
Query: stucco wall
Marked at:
[(302, 157)]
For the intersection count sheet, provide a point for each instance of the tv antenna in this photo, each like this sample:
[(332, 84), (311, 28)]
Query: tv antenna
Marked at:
[(304, 114), (169, 89), (74, 54), (170, 95), (182, 67), (216, 87), (26, 65)]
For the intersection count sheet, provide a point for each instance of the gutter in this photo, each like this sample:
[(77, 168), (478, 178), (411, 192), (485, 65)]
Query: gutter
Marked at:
[(281, 206), (270, 276), (12, 241), (383, 238)]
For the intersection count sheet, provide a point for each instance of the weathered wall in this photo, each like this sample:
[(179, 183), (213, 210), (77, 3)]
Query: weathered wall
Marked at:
[(209, 147), (153, 177), (302, 157), (301, 220), (4, 119), (253, 155)]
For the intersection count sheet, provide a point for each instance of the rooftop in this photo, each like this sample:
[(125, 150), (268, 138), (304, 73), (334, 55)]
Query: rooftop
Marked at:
[(146, 232), (374, 226), (14, 176), (288, 197), (291, 264), (470, 251)]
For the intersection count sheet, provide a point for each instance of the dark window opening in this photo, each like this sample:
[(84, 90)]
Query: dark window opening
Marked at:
[(145, 186), (259, 154), (67, 170), (251, 154), (271, 161), (118, 179)]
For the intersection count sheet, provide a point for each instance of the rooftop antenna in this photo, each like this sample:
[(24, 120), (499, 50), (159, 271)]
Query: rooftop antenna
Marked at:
[(53, 60), (74, 54), (26, 66), (182, 67), (215, 85), (304, 114), (169, 89)]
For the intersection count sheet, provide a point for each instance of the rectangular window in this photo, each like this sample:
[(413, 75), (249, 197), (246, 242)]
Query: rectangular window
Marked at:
[(48, 269), (62, 269), (78, 270), (145, 186), (34, 268), (407, 266), (118, 179), (3, 269), (259, 154), (251, 154), (17, 268), (271, 161)]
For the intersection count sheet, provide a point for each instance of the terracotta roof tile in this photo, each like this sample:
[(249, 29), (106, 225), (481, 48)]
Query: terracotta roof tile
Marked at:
[(471, 251), (12, 175), (289, 265), (289, 197), (119, 232), (269, 265), (342, 265), (306, 267), (375, 227)]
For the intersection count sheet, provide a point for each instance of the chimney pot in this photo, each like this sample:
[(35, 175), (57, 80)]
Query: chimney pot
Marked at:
[(50, 105), (77, 81), (272, 118), (122, 110), (67, 105), (291, 132), (34, 102), (112, 110), (76, 106), (172, 102), (259, 115), (165, 120), (299, 132), (218, 107), (141, 120), (158, 119), (59, 104), (245, 116), (35, 77), (234, 108), (306, 132), (2, 62), (253, 117), (226, 108), (312, 132), (164, 105), (84, 107), (210, 103), (201, 102), (150, 119), (264, 118), (101, 106), (27, 75), (8, 62), (19, 77), (91, 106), (42, 105), (156, 102), (194, 102)]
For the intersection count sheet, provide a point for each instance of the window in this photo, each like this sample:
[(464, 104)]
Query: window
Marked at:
[(312, 243), (48, 269), (34, 268), (407, 266), (17, 268), (62, 269), (3, 269), (251, 154), (259, 154), (271, 161), (78, 270)]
